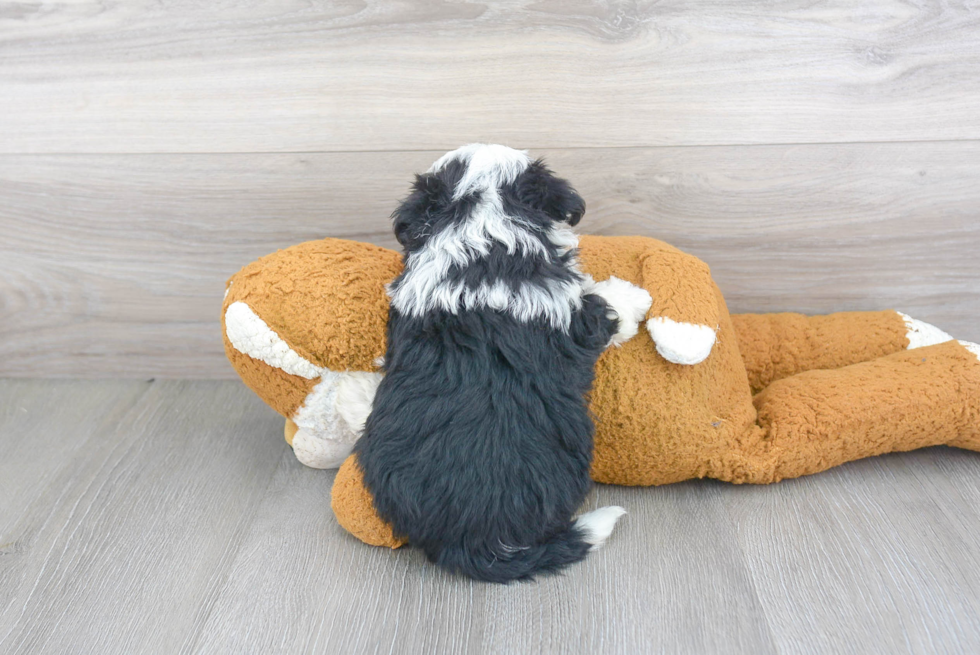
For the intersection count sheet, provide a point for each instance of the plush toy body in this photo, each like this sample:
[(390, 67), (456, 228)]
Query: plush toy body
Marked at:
[(701, 393)]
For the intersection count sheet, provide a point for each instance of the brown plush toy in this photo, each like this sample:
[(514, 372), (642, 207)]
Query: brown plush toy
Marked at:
[(752, 398)]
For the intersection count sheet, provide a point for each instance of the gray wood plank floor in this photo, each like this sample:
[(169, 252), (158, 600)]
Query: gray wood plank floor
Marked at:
[(170, 517)]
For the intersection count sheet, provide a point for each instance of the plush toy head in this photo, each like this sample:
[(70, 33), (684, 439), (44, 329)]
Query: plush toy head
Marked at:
[(304, 327)]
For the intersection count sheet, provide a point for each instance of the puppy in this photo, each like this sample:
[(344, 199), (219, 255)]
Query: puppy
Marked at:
[(479, 442)]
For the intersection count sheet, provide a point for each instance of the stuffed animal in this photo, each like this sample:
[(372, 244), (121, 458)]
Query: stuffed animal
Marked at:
[(751, 398)]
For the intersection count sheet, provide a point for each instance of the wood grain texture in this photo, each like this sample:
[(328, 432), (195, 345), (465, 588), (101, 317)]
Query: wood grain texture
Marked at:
[(33, 418), (141, 76), (888, 541), (122, 549), (176, 520), (114, 265), (646, 597)]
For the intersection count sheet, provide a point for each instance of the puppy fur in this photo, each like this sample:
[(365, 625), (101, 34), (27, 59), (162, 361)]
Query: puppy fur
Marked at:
[(479, 442)]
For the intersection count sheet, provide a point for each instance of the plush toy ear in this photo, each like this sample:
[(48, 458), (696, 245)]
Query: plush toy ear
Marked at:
[(541, 189)]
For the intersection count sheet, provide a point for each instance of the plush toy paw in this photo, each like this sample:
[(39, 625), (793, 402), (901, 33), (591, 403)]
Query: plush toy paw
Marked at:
[(627, 303), (320, 453), (681, 343), (332, 417), (921, 334)]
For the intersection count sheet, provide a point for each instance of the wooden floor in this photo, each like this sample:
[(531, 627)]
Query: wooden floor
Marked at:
[(171, 517)]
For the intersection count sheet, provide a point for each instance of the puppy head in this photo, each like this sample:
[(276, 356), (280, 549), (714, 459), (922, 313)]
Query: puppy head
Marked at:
[(487, 184)]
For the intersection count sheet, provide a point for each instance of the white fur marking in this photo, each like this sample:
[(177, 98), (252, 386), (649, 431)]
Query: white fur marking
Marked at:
[(598, 524), (461, 154), (682, 343), (563, 237), (488, 167), (921, 334), (972, 347), (627, 302), (250, 335)]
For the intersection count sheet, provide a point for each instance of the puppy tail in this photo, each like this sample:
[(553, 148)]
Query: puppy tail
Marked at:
[(504, 563)]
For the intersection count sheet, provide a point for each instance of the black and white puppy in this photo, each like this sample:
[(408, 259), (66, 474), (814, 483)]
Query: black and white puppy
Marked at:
[(479, 442)]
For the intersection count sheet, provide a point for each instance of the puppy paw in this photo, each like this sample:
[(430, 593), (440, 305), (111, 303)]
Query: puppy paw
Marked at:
[(921, 334), (681, 343), (627, 303), (597, 525)]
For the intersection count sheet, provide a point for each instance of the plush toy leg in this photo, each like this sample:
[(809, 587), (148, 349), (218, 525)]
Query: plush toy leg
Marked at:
[(907, 400), (776, 346), (354, 508)]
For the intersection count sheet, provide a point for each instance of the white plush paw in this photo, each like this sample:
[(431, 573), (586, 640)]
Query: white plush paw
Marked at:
[(627, 302), (682, 343), (320, 453), (921, 334), (332, 417), (972, 347)]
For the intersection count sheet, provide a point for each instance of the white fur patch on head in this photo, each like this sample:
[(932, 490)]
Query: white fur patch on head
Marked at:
[(682, 343), (461, 154), (488, 167), (921, 334), (972, 347), (597, 525), (250, 335), (627, 302)]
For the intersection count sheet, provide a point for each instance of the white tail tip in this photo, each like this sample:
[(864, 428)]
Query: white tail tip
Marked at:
[(597, 525)]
